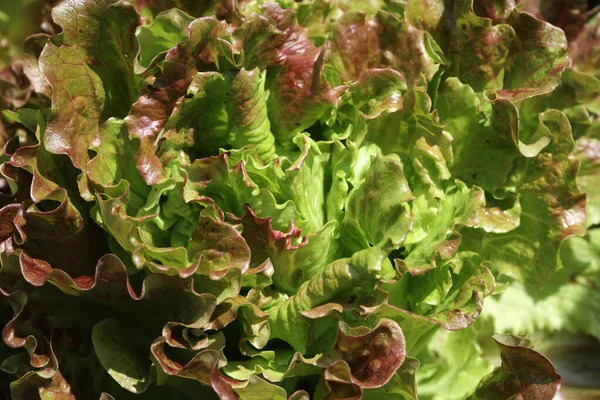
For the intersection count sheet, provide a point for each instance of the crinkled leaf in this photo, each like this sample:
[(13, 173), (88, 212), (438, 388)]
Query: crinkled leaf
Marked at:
[(486, 133), (300, 94), (552, 208), (201, 121), (435, 235), (340, 278), (34, 384), (250, 124), (373, 356), (521, 57), (454, 365), (415, 134), (582, 48), (480, 49), (218, 244), (293, 263), (166, 30), (258, 388), (567, 302), (90, 69), (408, 49), (377, 91), (569, 15), (376, 210), (524, 372), (355, 45), (538, 57), (150, 112), (402, 383)]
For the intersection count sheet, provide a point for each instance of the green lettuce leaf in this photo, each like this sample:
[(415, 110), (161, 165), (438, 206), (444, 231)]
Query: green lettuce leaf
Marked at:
[(455, 365), (552, 208), (295, 200), (377, 214), (561, 305)]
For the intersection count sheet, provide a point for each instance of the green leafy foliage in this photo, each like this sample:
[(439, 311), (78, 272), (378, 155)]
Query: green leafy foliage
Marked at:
[(296, 200)]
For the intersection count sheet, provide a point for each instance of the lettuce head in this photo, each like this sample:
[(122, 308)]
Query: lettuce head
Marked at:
[(327, 199)]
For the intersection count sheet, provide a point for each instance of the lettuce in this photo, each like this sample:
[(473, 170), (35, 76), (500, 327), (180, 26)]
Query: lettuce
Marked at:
[(295, 200)]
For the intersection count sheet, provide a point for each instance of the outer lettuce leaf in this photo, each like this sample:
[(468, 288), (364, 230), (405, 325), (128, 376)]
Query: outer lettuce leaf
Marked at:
[(524, 372), (258, 387), (585, 59), (567, 302), (53, 207), (521, 58), (166, 297), (570, 16), (356, 45), (55, 387), (121, 364), (552, 208), (537, 60), (385, 40), (454, 366), (369, 358), (481, 49), (91, 78), (402, 42), (15, 93), (197, 9), (402, 383)]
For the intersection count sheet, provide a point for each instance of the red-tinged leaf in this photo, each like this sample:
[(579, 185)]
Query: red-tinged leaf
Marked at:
[(300, 92), (584, 47), (355, 46), (569, 15), (90, 69), (149, 114), (296, 258), (36, 385), (15, 88), (524, 373), (300, 95), (218, 245), (372, 355)]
